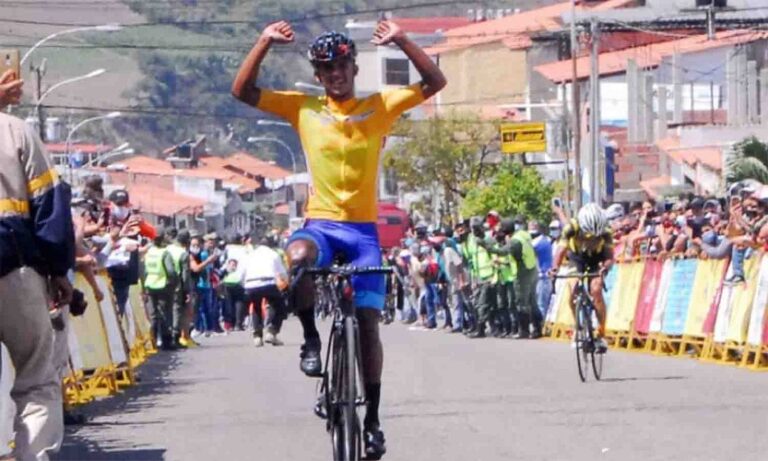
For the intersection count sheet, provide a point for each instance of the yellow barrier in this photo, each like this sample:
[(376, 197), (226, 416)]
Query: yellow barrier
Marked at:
[(723, 323), (105, 350)]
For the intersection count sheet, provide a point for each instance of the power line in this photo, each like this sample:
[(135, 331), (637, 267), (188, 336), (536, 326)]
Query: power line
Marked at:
[(297, 19)]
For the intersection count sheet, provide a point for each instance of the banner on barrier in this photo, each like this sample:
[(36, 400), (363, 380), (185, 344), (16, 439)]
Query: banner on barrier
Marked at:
[(139, 312), (661, 301), (741, 302), (623, 298), (111, 325), (757, 320), (706, 285), (679, 296), (611, 279), (649, 290), (88, 331)]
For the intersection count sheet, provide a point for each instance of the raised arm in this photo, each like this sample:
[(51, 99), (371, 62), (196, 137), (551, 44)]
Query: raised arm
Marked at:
[(244, 87), (432, 78)]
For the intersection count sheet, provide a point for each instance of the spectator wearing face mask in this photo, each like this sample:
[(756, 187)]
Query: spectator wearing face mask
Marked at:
[(124, 268)]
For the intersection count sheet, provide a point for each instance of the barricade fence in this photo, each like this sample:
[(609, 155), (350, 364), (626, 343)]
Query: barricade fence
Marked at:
[(105, 349), (681, 307)]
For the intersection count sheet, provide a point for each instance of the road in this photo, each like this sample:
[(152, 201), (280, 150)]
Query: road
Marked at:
[(445, 398)]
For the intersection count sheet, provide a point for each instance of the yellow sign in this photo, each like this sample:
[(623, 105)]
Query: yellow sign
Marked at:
[(519, 138)]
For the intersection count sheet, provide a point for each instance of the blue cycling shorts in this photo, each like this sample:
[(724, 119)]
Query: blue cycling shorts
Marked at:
[(359, 245)]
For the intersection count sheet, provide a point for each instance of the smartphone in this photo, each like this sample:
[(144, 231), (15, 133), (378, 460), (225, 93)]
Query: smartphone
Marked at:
[(9, 60), (556, 202)]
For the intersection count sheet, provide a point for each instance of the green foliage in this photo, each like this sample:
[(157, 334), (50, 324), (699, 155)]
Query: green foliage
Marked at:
[(514, 190), (749, 160), (451, 151)]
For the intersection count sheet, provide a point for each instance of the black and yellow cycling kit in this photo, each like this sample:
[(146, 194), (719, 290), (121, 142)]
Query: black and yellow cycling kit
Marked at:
[(586, 251)]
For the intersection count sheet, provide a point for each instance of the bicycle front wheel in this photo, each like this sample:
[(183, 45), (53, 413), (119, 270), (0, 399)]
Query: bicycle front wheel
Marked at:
[(583, 342), (349, 410)]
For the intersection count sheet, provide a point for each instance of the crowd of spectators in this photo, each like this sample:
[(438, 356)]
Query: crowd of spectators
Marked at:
[(693, 226)]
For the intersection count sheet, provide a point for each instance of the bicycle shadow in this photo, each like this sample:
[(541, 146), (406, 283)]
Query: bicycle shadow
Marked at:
[(645, 378), (84, 443)]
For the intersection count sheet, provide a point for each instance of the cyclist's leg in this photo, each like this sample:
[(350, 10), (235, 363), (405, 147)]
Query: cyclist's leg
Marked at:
[(596, 291), (308, 247)]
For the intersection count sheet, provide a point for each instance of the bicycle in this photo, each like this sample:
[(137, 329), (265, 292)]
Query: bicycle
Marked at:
[(342, 387), (584, 337)]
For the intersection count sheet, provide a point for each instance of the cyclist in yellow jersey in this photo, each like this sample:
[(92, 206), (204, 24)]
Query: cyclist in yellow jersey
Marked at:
[(587, 243), (342, 138)]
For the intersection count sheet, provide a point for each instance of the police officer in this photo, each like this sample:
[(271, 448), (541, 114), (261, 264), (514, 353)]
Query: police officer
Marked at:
[(182, 294), (507, 273), (485, 277), (160, 280)]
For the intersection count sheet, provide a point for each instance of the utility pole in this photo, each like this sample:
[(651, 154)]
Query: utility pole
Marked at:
[(575, 96), (594, 115), (39, 74)]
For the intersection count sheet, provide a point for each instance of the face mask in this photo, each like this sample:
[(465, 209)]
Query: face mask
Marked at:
[(194, 250), (519, 227), (555, 233), (535, 234), (121, 212)]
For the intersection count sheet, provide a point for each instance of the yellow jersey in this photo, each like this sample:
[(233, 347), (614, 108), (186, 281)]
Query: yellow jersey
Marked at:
[(342, 142)]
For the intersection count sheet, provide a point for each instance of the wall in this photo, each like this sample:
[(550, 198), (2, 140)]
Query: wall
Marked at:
[(484, 74)]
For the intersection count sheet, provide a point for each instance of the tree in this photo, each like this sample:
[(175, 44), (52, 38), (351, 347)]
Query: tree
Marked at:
[(749, 160), (514, 190), (450, 154)]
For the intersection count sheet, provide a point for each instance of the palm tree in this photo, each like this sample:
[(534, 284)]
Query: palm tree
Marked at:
[(748, 160)]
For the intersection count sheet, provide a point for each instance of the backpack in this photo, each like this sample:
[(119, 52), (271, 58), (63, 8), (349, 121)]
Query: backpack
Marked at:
[(432, 271)]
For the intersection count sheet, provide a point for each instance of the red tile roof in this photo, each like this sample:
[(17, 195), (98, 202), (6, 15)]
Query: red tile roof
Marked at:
[(249, 164), (709, 156), (161, 202), (61, 148), (647, 56), (431, 25), (514, 30), (152, 166)]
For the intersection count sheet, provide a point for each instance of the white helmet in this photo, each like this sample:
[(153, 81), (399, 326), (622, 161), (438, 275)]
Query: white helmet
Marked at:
[(614, 211), (592, 219)]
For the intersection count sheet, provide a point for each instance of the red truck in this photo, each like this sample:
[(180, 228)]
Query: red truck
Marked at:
[(392, 225)]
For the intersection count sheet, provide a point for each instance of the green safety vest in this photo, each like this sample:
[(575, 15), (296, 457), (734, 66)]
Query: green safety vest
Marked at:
[(234, 278), (529, 254), (156, 277), (176, 252), (508, 271), (482, 264)]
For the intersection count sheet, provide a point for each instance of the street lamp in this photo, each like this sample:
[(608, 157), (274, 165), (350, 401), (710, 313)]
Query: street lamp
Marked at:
[(122, 149), (256, 139), (111, 115), (102, 28), (95, 73)]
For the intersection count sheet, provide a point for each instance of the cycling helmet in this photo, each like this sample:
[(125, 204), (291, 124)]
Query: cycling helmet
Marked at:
[(615, 211), (592, 219), (331, 46)]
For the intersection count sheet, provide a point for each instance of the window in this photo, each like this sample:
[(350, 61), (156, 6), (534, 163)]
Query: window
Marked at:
[(396, 72)]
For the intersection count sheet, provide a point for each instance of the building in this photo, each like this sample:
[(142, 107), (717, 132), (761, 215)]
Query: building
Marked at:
[(225, 194), (662, 92)]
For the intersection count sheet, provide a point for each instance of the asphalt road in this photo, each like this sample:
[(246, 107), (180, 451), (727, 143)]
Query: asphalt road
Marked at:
[(445, 398)]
